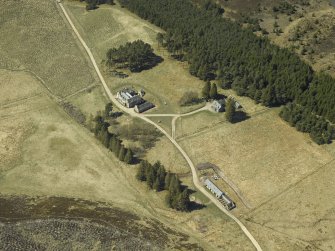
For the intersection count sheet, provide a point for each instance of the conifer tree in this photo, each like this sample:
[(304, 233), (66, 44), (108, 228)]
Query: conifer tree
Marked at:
[(214, 91), (183, 201), (269, 96), (161, 177), (117, 147), (156, 185), (112, 143), (167, 181), (106, 138), (150, 176), (129, 156), (122, 153), (98, 124), (206, 89), (108, 110), (230, 110), (168, 199), (141, 175)]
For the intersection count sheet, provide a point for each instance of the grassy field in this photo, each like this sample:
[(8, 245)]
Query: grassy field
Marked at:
[(53, 150), (109, 27), (44, 152), (304, 212), (44, 45), (193, 124), (269, 161), (263, 154), (90, 102)]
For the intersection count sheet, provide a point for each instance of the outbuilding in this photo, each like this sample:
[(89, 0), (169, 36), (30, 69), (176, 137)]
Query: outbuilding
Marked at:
[(218, 105), (143, 107), (223, 198)]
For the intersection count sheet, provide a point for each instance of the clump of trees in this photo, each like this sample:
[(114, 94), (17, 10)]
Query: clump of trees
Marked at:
[(189, 98), (139, 131), (158, 179), (136, 56), (217, 48), (110, 140), (320, 130), (209, 90)]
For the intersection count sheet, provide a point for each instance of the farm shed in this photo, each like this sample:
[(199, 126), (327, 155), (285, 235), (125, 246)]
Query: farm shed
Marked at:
[(218, 105), (223, 198), (144, 107)]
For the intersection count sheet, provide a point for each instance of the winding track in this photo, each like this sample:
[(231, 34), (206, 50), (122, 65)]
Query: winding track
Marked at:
[(131, 112)]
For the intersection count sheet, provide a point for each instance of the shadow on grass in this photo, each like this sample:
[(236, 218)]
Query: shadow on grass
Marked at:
[(194, 206), (240, 116)]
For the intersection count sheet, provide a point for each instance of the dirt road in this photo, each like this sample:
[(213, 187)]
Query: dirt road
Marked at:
[(131, 112)]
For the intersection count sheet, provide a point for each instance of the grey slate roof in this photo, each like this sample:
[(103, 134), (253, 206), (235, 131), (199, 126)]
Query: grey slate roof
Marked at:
[(213, 187)]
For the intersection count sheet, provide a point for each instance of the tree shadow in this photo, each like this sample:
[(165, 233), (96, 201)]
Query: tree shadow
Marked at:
[(153, 60), (240, 116), (190, 191), (194, 206), (136, 161), (220, 96), (116, 115)]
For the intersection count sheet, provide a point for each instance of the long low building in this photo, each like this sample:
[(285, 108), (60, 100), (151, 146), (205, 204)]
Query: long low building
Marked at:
[(229, 204), (143, 107)]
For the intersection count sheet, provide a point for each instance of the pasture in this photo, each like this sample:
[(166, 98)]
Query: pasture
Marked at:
[(112, 26), (44, 152), (278, 171), (34, 37), (304, 213), (263, 154)]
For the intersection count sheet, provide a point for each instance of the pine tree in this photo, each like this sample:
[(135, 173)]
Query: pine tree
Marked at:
[(174, 190), (214, 91), (160, 39), (129, 157), (112, 142), (161, 177), (206, 89), (141, 175), (183, 201), (230, 110), (167, 181), (108, 110), (117, 147), (150, 176), (98, 124), (106, 138), (156, 185), (122, 153), (101, 135), (269, 96), (168, 199)]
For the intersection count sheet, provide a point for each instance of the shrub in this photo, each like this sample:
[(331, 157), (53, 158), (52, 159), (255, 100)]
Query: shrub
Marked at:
[(189, 98)]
